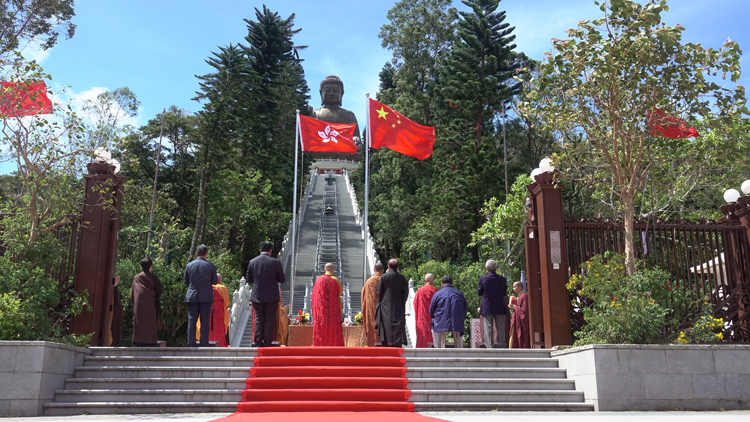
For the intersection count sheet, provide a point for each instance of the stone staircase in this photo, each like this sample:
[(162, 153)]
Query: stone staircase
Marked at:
[(185, 380)]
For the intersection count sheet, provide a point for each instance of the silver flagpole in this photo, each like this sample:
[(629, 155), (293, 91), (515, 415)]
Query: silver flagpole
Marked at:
[(367, 188), (294, 213)]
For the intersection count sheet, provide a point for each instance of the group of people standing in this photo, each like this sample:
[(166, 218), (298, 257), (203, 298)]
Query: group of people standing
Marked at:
[(384, 297), (443, 311)]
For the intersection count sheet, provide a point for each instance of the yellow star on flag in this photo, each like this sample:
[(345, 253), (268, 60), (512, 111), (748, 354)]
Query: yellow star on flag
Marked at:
[(382, 113)]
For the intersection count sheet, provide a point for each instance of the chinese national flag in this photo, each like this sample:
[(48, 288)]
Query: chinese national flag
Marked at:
[(320, 136), (667, 126), (24, 99), (392, 130)]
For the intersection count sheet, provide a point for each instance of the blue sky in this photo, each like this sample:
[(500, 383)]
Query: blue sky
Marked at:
[(156, 47)]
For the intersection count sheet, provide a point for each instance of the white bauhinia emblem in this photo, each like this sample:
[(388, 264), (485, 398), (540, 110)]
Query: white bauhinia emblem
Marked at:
[(329, 135)]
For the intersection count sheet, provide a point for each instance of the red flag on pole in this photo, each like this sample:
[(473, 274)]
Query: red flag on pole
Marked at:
[(19, 99), (668, 126), (392, 130), (320, 136)]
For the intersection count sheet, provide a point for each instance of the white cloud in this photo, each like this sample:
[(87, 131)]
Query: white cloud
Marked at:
[(67, 96), (33, 51)]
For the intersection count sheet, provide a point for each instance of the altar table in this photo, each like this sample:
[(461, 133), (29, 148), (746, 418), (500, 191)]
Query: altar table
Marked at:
[(302, 335)]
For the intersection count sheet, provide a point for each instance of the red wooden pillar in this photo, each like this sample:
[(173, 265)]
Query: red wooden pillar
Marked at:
[(547, 268), (97, 251)]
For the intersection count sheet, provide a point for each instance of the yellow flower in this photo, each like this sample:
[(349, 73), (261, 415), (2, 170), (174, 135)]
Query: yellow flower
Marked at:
[(720, 336)]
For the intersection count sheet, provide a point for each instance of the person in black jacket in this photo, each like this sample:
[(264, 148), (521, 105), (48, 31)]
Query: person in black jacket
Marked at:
[(200, 275), (494, 291), (265, 274)]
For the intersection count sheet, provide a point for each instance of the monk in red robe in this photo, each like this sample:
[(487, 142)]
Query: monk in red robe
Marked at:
[(422, 299), (219, 316), (520, 319), (369, 303), (326, 310)]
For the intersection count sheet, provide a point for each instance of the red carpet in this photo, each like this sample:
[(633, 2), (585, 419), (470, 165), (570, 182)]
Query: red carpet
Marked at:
[(327, 379), (329, 417)]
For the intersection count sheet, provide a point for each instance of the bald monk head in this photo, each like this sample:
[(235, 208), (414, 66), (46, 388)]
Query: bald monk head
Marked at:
[(329, 267)]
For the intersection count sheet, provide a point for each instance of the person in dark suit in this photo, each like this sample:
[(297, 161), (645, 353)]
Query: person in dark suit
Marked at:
[(494, 291), (200, 275), (265, 274)]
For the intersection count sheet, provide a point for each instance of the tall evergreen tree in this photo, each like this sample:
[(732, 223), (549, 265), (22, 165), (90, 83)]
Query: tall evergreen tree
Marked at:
[(221, 117), (280, 90)]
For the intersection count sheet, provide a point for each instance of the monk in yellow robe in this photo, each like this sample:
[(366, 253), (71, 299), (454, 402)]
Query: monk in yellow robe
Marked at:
[(369, 302)]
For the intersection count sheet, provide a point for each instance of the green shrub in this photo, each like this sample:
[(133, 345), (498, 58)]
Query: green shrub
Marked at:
[(35, 307), (640, 309)]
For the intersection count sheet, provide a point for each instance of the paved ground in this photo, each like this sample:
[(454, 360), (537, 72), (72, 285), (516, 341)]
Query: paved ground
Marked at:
[(738, 416)]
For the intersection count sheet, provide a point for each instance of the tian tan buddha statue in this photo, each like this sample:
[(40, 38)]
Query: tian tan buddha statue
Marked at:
[(331, 91)]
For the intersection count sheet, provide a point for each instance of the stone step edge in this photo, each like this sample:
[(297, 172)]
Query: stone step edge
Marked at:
[(140, 404), (239, 391), (520, 406), (421, 380)]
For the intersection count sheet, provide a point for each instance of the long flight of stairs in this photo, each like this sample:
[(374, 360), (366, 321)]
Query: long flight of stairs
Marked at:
[(184, 380)]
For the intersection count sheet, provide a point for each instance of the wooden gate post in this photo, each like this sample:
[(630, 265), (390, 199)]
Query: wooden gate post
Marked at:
[(549, 274), (97, 250)]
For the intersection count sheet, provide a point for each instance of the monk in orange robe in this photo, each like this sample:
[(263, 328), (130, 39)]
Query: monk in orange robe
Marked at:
[(326, 310), (219, 316), (369, 302), (520, 319), (422, 299), (282, 323)]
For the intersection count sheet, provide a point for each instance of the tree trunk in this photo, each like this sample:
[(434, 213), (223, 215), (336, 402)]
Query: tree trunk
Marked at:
[(627, 221), (199, 214)]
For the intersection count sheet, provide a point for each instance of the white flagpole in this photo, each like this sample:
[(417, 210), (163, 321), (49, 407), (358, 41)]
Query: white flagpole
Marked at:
[(294, 214), (367, 187)]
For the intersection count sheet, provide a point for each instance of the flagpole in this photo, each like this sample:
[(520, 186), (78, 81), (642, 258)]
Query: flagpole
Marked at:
[(367, 187), (294, 213)]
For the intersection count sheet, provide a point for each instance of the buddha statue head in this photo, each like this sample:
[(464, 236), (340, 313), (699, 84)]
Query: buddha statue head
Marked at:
[(331, 91)]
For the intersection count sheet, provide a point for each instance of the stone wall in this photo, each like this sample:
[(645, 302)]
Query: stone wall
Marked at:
[(31, 371), (660, 377)]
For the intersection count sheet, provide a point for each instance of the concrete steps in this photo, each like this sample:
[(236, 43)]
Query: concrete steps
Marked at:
[(185, 380), (489, 379)]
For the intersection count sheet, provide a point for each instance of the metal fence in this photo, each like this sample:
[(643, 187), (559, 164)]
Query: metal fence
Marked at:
[(710, 259)]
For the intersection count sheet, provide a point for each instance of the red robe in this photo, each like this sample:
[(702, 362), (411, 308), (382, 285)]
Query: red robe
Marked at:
[(422, 300), (520, 322), (219, 322), (326, 312)]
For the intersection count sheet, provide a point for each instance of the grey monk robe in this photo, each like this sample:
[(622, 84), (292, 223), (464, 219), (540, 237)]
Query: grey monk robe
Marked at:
[(390, 319)]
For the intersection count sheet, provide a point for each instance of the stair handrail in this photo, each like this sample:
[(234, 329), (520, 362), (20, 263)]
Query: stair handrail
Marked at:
[(240, 312)]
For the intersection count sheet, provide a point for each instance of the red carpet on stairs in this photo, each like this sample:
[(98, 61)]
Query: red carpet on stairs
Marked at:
[(327, 379)]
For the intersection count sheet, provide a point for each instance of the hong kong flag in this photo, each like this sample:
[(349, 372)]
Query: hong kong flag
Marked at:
[(24, 99), (320, 136), (667, 126), (392, 130)]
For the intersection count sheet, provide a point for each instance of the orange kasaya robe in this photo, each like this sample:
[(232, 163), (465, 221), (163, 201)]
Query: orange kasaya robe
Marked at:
[(369, 303), (219, 317), (282, 326), (326, 312), (422, 299)]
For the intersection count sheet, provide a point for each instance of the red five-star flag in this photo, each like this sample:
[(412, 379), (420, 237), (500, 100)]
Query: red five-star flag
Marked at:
[(24, 99), (392, 130), (667, 126), (320, 136)]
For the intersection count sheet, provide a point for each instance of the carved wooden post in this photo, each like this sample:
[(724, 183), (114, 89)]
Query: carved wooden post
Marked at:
[(549, 274), (97, 250)]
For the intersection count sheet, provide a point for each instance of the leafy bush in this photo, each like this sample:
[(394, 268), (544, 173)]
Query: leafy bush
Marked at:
[(35, 307), (617, 309), (706, 328)]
